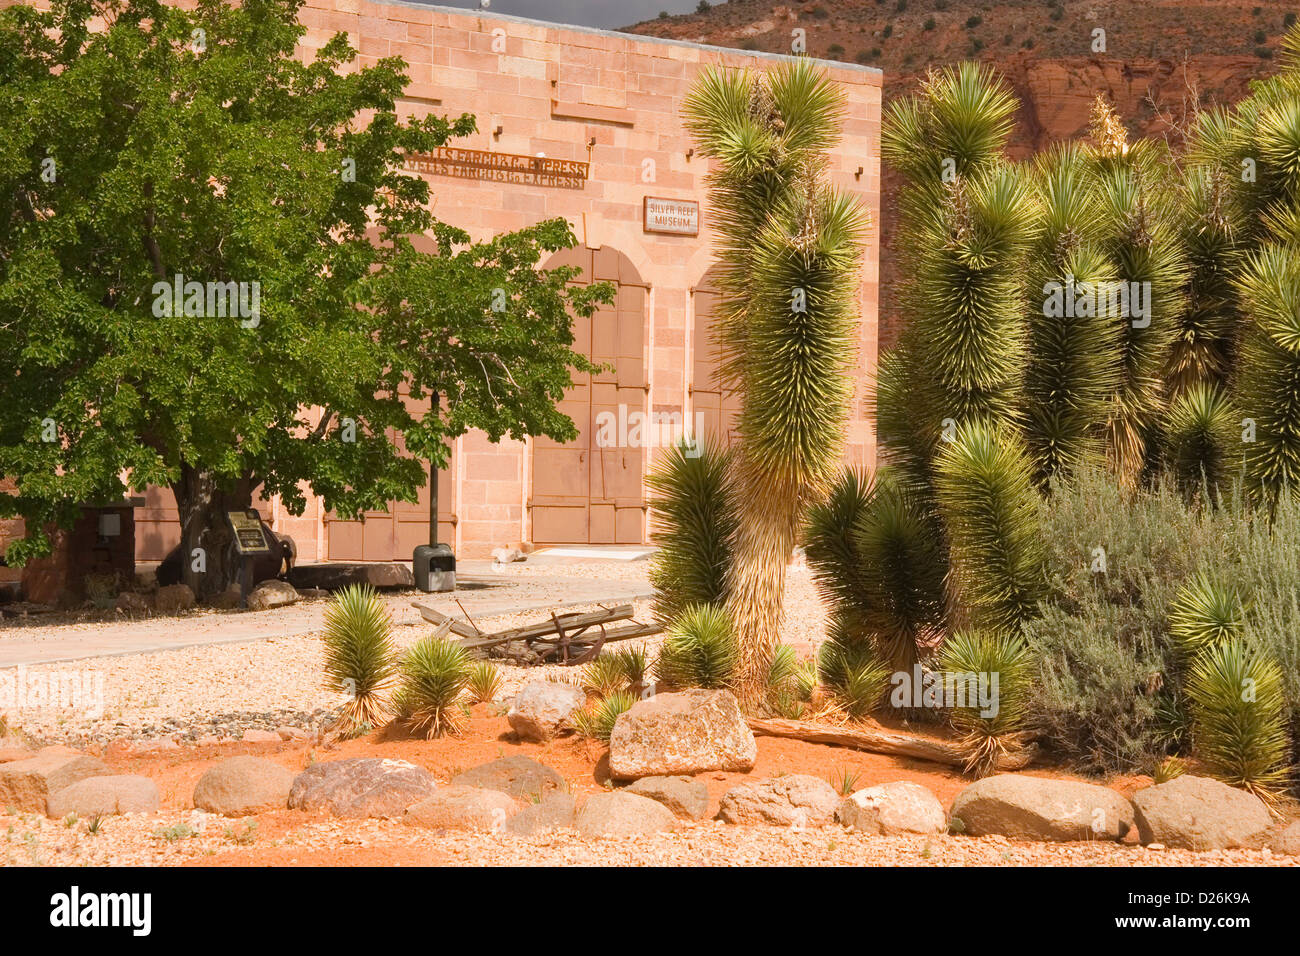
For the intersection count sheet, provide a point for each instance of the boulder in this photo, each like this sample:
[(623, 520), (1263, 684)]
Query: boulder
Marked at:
[(285, 732), (273, 593), (227, 600), (543, 707), (361, 787), (893, 808), (620, 814), (1197, 813), (241, 786), (10, 754), (795, 800), (104, 796), (1042, 808), (682, 733), (685, 797), (1287, 840), (128, 602), (173, 598), (334, 576), (507, 555), (462, 808), (520, 777), (551, 813), (25, 785)]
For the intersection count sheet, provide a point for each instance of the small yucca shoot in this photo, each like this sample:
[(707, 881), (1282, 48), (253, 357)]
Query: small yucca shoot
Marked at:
[(1203, 432), (1169, 769), (634, 664), (845, 781), (783, 669), (435, 673), (989, 715), (359, 654), (700, 650), (597, 722), (603, 676), (484, 682), (1238, 730), (1205, 613), (855, 676)]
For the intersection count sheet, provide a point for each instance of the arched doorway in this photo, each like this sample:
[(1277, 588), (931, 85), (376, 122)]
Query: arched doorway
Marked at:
[(719, 406), (591, 490)]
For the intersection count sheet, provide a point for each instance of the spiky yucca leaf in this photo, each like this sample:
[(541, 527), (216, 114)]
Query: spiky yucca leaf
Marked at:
[(1269, 376), (484, 682), (989, 716), (1238, 730), (1204, 614), (699, 649), (990, 509), (434, 675), (853, 673), (633, 663), (693, 519), (604, 676), (1171, 768), (359, 654), (1203, 438), (597, 721)]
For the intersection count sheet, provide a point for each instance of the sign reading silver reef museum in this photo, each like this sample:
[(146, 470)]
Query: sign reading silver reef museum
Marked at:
[(499, 167), (677, 217)]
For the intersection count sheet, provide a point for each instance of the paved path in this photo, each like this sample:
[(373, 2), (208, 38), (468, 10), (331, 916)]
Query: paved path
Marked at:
[(481, 595)]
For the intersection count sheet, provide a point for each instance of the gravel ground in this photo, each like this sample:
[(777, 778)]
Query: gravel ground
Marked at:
[(194, 837)]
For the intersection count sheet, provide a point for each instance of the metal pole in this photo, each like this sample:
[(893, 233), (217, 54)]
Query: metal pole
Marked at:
[(433, 488)]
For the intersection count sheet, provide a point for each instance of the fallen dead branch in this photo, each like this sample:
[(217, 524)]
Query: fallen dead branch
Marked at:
[(879, 741)]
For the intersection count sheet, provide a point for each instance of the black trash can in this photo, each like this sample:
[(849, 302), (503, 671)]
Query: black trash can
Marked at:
[(435, 568)]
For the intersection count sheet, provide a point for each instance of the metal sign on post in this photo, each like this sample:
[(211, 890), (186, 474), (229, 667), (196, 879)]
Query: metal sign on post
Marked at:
[(249, 541)]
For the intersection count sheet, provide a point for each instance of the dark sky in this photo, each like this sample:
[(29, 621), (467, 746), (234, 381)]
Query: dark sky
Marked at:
[(607, 14)]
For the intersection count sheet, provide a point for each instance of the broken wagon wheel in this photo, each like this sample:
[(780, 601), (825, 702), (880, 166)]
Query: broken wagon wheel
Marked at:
[(592, 649)]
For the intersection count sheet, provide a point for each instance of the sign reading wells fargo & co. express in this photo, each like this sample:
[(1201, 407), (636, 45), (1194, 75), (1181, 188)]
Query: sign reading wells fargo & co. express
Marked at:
[(678, 217), (499, 167)]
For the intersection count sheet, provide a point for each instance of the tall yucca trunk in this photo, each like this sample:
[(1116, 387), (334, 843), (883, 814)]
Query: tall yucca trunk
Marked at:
[(788, 249)]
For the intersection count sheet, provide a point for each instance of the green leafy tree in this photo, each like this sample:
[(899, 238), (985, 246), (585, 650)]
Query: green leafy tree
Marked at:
[(194, 144)]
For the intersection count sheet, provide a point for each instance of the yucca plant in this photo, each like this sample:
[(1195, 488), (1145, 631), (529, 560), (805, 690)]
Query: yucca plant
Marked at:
[(991, 511), (783, 669), (359, 655), (604, 676), (1171, 768), (693, 520), (970, 663), (1238, 730), (435, 673), (634, 664), (597, 721), (1204, 614), (788, 253), (484, 682), (699, 650), (853, 673), (1203, 438)]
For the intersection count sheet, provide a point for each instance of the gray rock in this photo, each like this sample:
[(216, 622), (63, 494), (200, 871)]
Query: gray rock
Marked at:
[(685, 797), (361, 787), (619, 814), (796, 800), (543, 707), (333, 576), (1041, 808), (243, 785), (462, 808), (1197, 813), (554, 812), (893, 808), (521, 777), (25, 785), (129, 602), (105, 796), (682, 733), (272, 593), (173, 598)]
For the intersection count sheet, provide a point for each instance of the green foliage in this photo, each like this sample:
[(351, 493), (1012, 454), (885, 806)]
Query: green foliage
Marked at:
[(991, 513), (1203, 439), (435, 674), (699, 650), (1204, 614), (1238, 728), (597, 722), (693, 519), (484, 682), (241, 163), (851, 671), (970, 663), (359, 654), (633, 663), (604, 676)]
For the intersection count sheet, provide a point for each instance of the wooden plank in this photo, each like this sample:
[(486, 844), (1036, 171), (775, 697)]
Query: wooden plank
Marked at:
[(877, 741), (458, 628)]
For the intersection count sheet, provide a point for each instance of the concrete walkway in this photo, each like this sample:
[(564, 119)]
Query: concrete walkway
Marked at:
[(480, 595)]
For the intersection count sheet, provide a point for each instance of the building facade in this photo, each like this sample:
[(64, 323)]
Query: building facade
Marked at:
[(586, 125)]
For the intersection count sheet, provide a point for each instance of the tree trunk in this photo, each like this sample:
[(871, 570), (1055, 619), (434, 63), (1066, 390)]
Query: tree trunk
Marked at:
[(209, 560)]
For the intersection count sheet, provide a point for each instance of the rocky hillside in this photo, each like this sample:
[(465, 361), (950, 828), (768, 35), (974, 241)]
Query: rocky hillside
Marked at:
[(1158, 57)]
